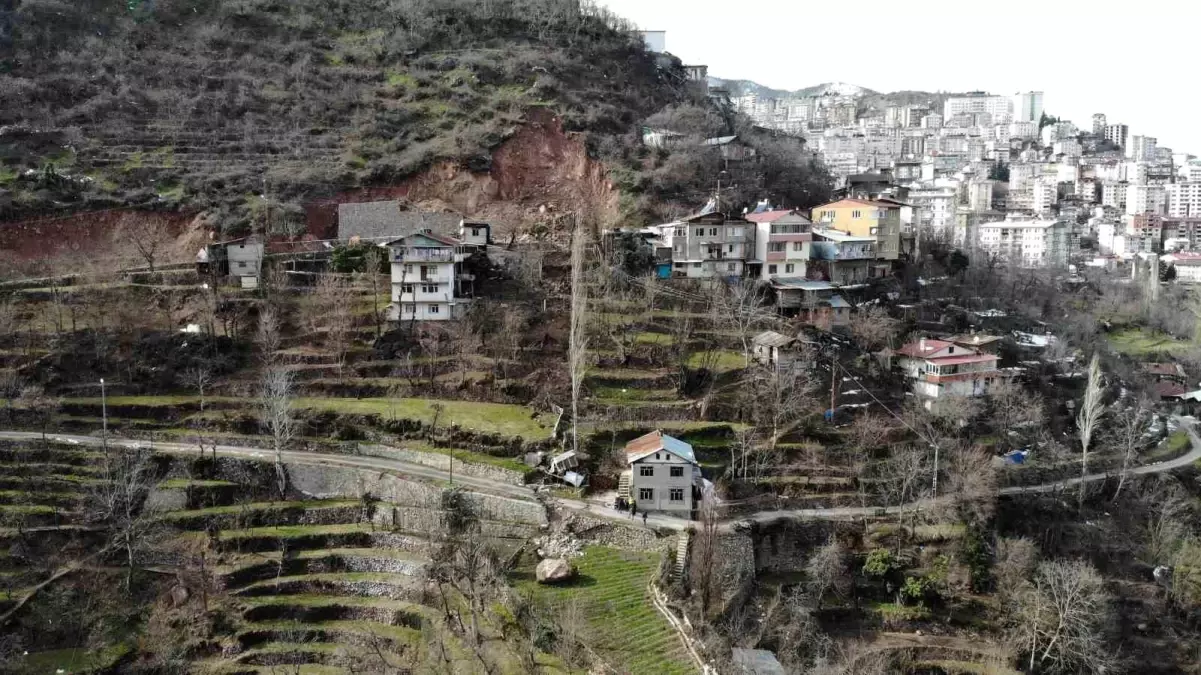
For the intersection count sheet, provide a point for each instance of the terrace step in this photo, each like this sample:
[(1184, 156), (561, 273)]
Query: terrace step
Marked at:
[(681, 554), (342, 632), (321, 608), (266, 566), (364, 584), (265, 514)]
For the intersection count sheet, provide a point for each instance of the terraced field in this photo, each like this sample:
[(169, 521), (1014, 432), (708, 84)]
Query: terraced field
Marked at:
[(623, 626)]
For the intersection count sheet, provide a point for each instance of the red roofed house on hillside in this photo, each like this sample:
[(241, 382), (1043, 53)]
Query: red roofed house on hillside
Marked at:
[(781, 243), (938, 369), (663, 475), (1188, 266)]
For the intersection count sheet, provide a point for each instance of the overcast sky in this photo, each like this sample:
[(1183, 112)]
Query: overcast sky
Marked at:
[(1133, 61)]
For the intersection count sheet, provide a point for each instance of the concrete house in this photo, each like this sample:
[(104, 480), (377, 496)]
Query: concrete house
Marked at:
[(239, 258), (814, 302), (845, 259), (663, 476), (865, 218), (381, 222), (427, 278), (937, 369), (782, 241), (709, 245)]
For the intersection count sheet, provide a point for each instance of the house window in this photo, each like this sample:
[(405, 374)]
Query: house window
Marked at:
[(434, 309), (736, 232), (408, 269), (696, 265), (475, 232), (429, 289), (677, 494), (856, 214), (776, 247), (679, 231), (771, 269), (646, 470), (677, 472), (241, 265), (407, 289), (788, 269), (713, 232), (798, 246), (646, 494), (731, 267), (408, 309)]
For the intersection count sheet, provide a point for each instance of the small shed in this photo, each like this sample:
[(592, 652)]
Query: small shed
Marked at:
[(564, 462), (773, 349)]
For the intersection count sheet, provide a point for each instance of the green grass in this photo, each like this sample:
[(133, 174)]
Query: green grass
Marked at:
[(496, 418), (1145, 342), (890, 611), (288, 531), (76, 660), (397, 633), (469, 457), (332, 601), (623, 626), (625, 394), (260, 506), (724, 361)]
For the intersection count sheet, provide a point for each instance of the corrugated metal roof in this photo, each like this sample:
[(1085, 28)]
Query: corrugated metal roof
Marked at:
[(773, 339), (385, 221), (657, 441)]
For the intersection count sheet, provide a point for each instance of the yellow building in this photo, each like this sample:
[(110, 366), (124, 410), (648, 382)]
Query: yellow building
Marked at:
[(865, 218)]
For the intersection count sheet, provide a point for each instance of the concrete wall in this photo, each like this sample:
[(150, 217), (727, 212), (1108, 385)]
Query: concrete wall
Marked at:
[(443, 462)]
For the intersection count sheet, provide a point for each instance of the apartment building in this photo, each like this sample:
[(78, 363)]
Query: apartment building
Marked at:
[(844, 259), (710, 245), (865, 218), (427, 277), (1026, 242), (782, 241), (1184, 200)]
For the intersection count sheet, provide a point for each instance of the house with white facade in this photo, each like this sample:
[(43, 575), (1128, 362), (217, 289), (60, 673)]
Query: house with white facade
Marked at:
[(1188, 266), (845, 259), (938, 369), (663, 475), (1027, 242), (782, 242), (427, 277)]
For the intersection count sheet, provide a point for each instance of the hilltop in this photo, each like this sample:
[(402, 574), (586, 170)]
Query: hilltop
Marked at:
[(742, 87), (248, 111)]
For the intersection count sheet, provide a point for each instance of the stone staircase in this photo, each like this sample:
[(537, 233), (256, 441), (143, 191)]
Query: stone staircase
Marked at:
[(623, 485), (681, 553)]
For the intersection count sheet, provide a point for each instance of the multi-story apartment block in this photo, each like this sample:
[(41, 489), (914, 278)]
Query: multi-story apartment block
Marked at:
[(1026, 242), (979, 195), (1028, 107), (934, 208), (1113, 194), (1184, 200), (865, 218), (427, 277), (1141, 148), (709, 245), (1146, 199), (1118, 134), (1099, 124), (782, 240), (1044, 194), (1000, 107), (1181, 233)]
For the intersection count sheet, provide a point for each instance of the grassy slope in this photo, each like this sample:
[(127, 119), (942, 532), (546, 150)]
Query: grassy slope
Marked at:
[(623, 626)]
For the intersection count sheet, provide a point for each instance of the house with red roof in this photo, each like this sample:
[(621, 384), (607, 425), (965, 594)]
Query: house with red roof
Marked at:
[(663, 475), (782, 242), (938, 368), (1187, 264)]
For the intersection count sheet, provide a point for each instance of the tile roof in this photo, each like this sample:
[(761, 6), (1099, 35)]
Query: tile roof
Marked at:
[(915, 350), (960, 360), (773, 339), (657, 441), (803, 284), (865, 202), (382, 221), (773, 216), (1169, 389)]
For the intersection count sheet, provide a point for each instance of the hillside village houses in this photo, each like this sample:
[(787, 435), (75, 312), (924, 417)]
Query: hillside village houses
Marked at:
[(937, 369), (663, 476)]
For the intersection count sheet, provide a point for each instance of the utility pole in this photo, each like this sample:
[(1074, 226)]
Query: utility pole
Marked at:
[(833, 382), (104, 415)]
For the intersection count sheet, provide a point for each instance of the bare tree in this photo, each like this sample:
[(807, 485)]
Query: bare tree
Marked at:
[(1014, 564), (741, 307), (1091, 410), (143, 238), (972, 483), (1061, 617), (782, 399), (334, 313), (1013, 410), (873, 328), (577, 354), (117, 502), (200, 377), (702, 572), (275, 403), (826, 572), (268, 336), (902, 476), (1127, 436)]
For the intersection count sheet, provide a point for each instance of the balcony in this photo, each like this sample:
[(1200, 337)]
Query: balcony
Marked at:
[(423, 255), (777, 256)]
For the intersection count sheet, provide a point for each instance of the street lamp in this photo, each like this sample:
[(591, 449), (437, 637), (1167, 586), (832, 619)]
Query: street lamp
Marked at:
[(104, 414)]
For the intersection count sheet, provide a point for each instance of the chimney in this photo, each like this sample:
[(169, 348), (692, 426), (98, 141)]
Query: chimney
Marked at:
[(921, 345)]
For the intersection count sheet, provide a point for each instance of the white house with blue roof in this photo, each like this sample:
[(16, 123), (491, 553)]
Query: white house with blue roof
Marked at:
[(664, 475)]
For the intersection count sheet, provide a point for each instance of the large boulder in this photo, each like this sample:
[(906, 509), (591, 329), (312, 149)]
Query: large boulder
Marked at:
[(554, 570)]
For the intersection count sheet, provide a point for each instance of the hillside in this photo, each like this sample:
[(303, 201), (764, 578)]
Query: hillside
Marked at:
[(250, 110), (742, 87)]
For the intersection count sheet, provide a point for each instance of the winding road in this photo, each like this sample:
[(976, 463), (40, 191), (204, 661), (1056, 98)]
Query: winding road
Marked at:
[(504, 489)]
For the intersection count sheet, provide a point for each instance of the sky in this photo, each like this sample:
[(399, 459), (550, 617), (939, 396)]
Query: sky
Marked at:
[(1133, 61)]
